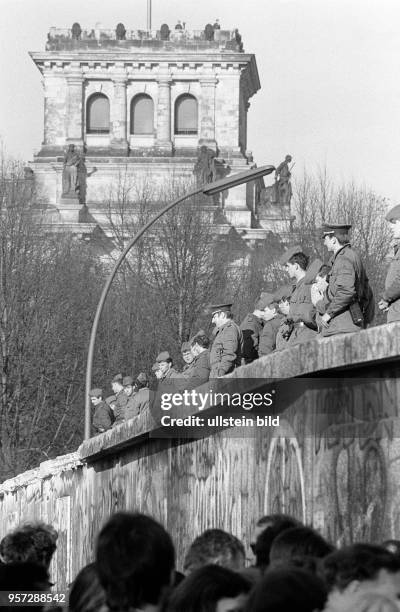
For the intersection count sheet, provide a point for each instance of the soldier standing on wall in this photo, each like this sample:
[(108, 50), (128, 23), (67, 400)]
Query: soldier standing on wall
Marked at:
[(390, 301), (226, 350)]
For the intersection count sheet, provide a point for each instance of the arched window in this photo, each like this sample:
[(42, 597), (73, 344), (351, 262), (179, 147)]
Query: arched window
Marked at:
[(98, 114), (186, 115), (142, 115)]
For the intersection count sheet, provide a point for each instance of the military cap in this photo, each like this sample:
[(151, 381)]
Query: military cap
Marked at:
[(185, 348), (214, 308), (163, 356), (265, 300), (283, 293), (289, 253), (142, 377), (155, 367), (110, 399), (96, 393), (127, 381), (332, 229), (393, 214), (117, 378)]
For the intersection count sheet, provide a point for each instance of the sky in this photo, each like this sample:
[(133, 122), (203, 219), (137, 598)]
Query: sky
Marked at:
[(329, 72)]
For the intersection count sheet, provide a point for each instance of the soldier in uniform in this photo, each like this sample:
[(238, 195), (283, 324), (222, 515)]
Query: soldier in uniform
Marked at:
[(187, 356), (272, 321), (390, 301), (251, 328), (103, 415), (348, 305), (121, 399), (165, 367), (199, 372), (227, 347), (140, 400), (130, 392), (282, 298)]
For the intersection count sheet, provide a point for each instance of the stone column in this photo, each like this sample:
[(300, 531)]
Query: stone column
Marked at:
[(164, 143), (119, 142), (207, 113), (75, 106)]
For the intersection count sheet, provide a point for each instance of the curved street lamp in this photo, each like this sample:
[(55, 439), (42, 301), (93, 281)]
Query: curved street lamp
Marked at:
[(208, 189)]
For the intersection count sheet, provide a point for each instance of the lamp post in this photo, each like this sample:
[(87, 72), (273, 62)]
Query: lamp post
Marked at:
[(208, 189)]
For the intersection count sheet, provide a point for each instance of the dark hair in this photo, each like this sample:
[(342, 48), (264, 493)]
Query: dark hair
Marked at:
[(269, 520), (264, 541), (342, 237), (135, 559), (86, 593), (358, 562), (214, 546), (301, 259), (23, 577), (299, 542), (324, 271), (201, 591), (30, 543), (202, 341), (287, 589)]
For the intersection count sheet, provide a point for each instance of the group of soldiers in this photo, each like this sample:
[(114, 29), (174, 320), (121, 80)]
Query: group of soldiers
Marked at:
[(322, 300)]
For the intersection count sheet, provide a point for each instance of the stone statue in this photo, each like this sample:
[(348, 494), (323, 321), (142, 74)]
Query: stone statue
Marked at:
[(70, 173), (204, 169), (282, 182)]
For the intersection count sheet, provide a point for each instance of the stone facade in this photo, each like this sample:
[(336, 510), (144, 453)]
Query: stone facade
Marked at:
[(217, 74)]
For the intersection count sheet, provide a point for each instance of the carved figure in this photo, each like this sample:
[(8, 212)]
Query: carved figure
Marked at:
[(69, 175), (204, 169), (282, 181)]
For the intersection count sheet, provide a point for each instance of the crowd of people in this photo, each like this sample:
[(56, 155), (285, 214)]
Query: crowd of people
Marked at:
[(293, 569), (322, 300)]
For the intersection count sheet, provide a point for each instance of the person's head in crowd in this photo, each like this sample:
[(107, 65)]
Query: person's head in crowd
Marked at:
[(187, 354), (210, 589), (96, 396), (116, 384), (142, 381), (127, 382), (364, 602), (17, 577), (287, 590), (297, 543), (266, 307), (220, 314), (361, 568), (217, 547), (135, 561), (86, 593), (268, 531), (393, 217), (30, 543), (156, 371), (335, 235), (164, 361), (295, 262), (392, 546), (200, 343), (282, 297)]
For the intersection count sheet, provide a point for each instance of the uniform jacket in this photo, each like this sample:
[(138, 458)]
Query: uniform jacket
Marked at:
[(302, 312), (103, 418), (348, 283), (197, 374), (226, 349), (138, 403), (251, 327), (120, 403), (392, 286), (268, 335)]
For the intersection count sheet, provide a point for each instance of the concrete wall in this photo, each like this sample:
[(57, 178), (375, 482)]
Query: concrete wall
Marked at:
[(332, 461)]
